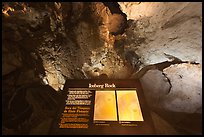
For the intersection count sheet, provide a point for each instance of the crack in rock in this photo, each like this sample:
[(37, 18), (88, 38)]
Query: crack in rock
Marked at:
[(168, 82), (117, 21), (160, 66)]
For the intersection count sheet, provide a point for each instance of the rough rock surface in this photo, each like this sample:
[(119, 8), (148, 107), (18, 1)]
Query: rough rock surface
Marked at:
[(180, 23), (162, 33), (183, 91), (186, 92), (55, 41), (11, 58), (157, 91), (167, 37), (51, 42)]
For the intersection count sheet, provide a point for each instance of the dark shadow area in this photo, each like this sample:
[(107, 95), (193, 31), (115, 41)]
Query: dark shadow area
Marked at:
[(114, 7), (28, 107), (184, 123), (118, 19)]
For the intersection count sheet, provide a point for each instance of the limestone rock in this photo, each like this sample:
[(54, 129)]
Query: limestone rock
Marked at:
[(116, 24), (180, 23), (107, 62), (186, 91), (11, 59), (182, 93), (155, 87)]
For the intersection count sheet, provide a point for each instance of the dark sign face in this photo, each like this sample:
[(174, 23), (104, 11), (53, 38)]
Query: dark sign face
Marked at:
[(103, 107)]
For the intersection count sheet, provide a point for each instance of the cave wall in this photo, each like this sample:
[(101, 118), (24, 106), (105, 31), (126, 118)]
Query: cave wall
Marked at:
[(43, 44), (167, 37), (171, 32)]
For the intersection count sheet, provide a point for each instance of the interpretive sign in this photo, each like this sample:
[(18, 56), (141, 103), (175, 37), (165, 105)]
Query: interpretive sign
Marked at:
[(100, 106)]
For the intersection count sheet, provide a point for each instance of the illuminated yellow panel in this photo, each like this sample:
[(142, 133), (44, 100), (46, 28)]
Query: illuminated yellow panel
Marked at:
[(128, 106), (105, 106)]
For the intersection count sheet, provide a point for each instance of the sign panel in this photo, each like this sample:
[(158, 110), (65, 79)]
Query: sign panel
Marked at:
[(103, 107)]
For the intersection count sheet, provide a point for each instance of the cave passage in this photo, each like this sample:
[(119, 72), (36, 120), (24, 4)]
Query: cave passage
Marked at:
[(44, 44)]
